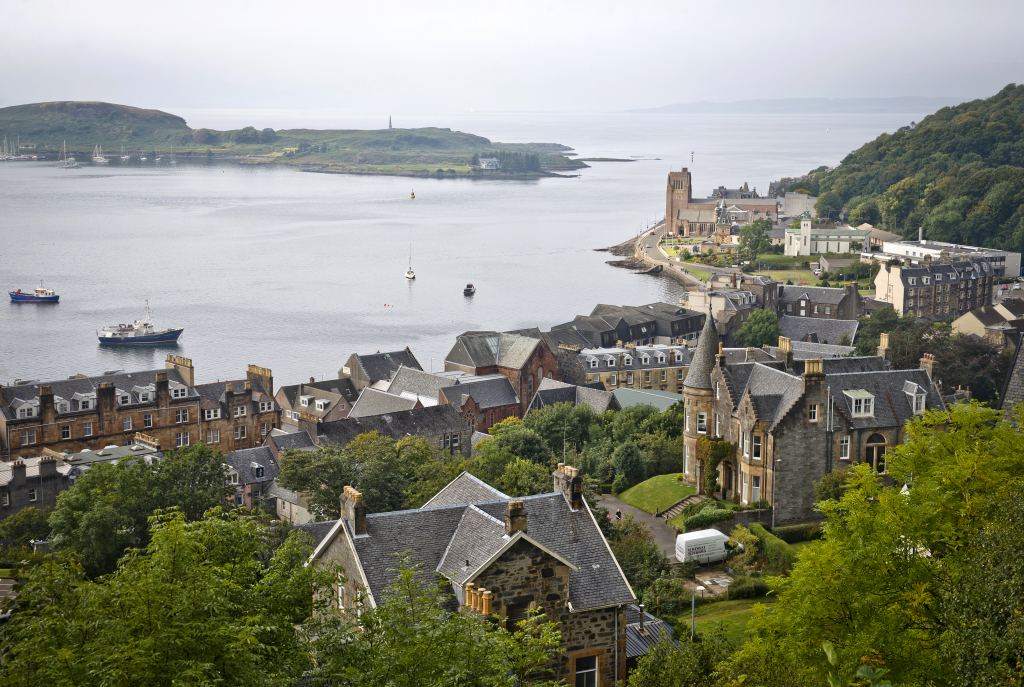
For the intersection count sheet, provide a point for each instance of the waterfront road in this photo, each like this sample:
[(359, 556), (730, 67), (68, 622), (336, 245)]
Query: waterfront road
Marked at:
[(647, 245)]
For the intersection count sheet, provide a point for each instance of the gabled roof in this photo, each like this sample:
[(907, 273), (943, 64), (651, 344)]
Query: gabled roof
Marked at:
[(332, 389), (422, 383), (492, 391), (492, 349), (781, 390), (891, 406), (215, 392), (245, 462), (419, 422), (464, 489), (825, 330), (374, 402), (317, 530), (297, 441), (382, 366), (552, 391), (813, 294)]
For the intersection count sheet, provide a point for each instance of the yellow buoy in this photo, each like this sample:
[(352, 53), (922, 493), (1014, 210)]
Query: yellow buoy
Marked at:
[(413, 195)]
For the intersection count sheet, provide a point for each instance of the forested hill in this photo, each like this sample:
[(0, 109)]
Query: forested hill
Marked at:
[(959, 173)]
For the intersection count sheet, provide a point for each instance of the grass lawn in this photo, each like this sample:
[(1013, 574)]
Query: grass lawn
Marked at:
[(658, 492), (6, 572), (699, 273), (733, 615), (801, 545)]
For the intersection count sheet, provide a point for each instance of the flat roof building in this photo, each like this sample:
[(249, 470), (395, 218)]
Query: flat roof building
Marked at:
[(1004, 263)]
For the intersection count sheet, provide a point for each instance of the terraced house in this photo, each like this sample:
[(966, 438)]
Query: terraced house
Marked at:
[(498, 555), (936, 289), (638, 367)]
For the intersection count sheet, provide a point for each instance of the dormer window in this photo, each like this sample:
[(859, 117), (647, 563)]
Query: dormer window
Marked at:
[(63, 407), (266, 406), (915, 397), (912, 281), (124, 399), (645, 360), (611, 362), (661, 359), (84, 404), (925, 280), (233, 478), (212, 413), (862, 402), (26, 411), (144, 397), (593, 365), (629, 360), (305, 400), (257, 469), (179, 392), (321, 404), (938, 277)]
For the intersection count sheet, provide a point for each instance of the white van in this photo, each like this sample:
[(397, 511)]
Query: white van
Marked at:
[(702, 546)]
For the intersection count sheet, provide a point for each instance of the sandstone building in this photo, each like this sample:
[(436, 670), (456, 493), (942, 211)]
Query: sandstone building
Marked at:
[(936, 289), (689, 216)]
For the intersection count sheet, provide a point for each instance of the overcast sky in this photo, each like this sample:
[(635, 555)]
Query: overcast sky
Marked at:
[(548, 55)]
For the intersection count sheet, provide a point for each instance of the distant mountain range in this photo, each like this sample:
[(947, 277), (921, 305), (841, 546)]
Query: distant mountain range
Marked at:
[(908, 104)]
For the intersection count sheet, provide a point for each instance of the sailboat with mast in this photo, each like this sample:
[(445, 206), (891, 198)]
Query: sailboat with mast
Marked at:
[(67, 162), (157, 158), (97, 155), (409, 274), (173, 161), (125, 156)]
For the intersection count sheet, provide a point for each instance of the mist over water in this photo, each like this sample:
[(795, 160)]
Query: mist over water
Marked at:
[(295, 271)]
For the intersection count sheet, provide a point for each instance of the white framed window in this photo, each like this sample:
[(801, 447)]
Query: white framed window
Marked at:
[(844, 447), (266, 406), (611, 363), (757, 447), (147, 420), (259, 471), (28, 436), (87, 429), (629, 360), (912, 280), (828, 310), (614, 379), (212, 413), (718, 389), (679, 374), (127, 423), (789, 307), (33, 495), (65, 432), (755, 487), (746, 445), (213, 436), (593, 365), (746, 487), (862, 402), (144, 397), (647, 376), (586, 672), (815, 310), (179, 392), (181, 416), (240, 432), (7, 499), (718, 425), (629, 378), (812, 412), (239, 411), (267, 426), (233, 478), (181, 439), (25, 411), (686, 458), (702, 422), (124, 400), (84, 404), (686, 414)]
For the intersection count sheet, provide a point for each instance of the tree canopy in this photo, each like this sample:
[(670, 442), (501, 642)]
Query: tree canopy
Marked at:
[(762, 327)]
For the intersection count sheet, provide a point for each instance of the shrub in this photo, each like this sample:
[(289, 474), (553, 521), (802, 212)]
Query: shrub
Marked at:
[(795, 533), (779, 554), (710, 514), (620, 484), (668, 596), (744, 587), (606, 488), (679, 477), (760, 504)]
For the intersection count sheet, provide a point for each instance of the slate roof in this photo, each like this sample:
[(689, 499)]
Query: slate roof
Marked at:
[(419, 422), (316, 530), (707, 215), (464, 489), (1015, 306), (492, 391), (374, 402), (415, 381), (109, 454), (552, 391), (699, 375), (336, 389), (803, 350), (891, 405), (242, 463), (739, 355), (294, 442), (378, 366), (639, 643), (814, 294), (988, 316), (781, 389), (490, 349), (31, 469), (796, 328), (867, 363), (65, 389), (214, 394)]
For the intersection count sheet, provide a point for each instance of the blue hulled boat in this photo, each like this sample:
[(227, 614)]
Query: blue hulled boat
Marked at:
[(139, 333), (39, 295)]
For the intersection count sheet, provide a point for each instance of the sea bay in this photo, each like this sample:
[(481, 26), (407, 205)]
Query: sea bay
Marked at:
[(294, 271)]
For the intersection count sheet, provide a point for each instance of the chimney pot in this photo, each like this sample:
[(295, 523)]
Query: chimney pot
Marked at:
[(488, 602), (642, 614), (312, 380)]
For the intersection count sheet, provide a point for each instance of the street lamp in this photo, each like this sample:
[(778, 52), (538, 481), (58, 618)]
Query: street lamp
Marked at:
[(775, 481), (693, 607)]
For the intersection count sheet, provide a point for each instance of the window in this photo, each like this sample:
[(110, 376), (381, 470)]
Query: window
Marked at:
[(686, 459), (238, 499), (862, 402), (124, 399), (611, 362), (828, 310), (127, 423), (925, 280), (629, 360), (789, 307), (686, 414), (84, 405), (33, 494), (447, 441), (593, 364), (87, 429), (679, 374), (28, 437), (629, 378), (586, 672), (812, 412), (702, 423), (181, 439), (7, 499), (25, 411), (147, 420), (938, 277), (755, 487), (63, 407), (913, 281), (240, 432), (179, 392), (213, 436), (663, 375), (647, 376), (757, 447), (65, 432), (212, 413), (288, 414), (718, 389), (718, 425), (815, 310), (259, 471), (267, 406), (746, 444), (455, 441), (181, 415), (746, 487), (844, 447), (614, 380), (144, 397), (265, 427), (239, 411)]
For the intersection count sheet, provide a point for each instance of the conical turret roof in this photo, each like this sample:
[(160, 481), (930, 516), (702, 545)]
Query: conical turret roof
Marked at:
[(699, 376)]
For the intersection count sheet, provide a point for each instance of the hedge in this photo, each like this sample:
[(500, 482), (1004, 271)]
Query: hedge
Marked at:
[(606, 488), (708, 515), (779, 554), (743, 587), (795, 533)]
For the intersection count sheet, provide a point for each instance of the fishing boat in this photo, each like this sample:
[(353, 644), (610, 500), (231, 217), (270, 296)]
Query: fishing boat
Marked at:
[(139, 333), (40, 295), (469, 290), (97, 155), (67, 162), (409, 274)]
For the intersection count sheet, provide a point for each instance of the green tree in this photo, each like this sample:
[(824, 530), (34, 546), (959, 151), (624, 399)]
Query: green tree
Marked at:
[(688, 665), (196, 606), (564, 427), (762, 327), (321, 475), (524, 478), (883, 320), (26, 526), (898, 201), (754, 239), (629, 462), (829, 205), (866, 212), (639, 555)]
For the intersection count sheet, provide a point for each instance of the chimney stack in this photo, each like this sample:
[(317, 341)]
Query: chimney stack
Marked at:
[(515, 517), (883, 347), (570, 484), (928, 365), (312, 380), (785, 352), (354, 510), (642, 618), (749, 357)]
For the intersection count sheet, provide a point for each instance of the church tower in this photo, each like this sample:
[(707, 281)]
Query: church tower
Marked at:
[(678, 196), (699, 398)]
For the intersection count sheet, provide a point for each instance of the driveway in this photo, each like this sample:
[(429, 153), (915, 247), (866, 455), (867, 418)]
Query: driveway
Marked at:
[(664, 533)]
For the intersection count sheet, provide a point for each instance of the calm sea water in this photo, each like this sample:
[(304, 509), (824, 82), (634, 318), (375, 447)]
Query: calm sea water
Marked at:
[(295, 271)]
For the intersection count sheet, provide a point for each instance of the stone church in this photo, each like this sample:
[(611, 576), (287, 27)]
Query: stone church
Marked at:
[(687, 216)]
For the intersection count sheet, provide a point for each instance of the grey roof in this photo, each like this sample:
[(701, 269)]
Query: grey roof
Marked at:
[(213, 394), (332, 389), (382, 366), (814, 294), (639, 643), (296, 441), (867, 363), (891, 406), (552, 391), (493, 391), (803, 350), (31, 469), (316, 530), (781, 388), (373, 402), (699, 376), (419, 422), (1013, 388), (109, 454), (418, 382), (464, 489), (824, 330), (123, 383), (242, 462), (477, 538), (737, 375), (707, 214), (276, 491), (661, 400), (637, 357), (490, 349)]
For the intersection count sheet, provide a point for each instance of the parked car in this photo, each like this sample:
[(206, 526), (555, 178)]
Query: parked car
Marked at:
[(1004, 287), (1016, 287)]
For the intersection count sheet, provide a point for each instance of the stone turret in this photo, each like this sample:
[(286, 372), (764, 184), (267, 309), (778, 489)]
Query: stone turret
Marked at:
[(698, 397)]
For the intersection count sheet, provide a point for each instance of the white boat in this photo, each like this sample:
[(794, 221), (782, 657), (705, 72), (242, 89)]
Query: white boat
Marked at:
[(409, 274), (125, 156), (97, 155), (157, 158), (67, 162), (142, 156), (173, 161)]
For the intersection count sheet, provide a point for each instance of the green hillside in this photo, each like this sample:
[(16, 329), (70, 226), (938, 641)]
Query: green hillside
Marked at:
[(86, 124), (959, 173)]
